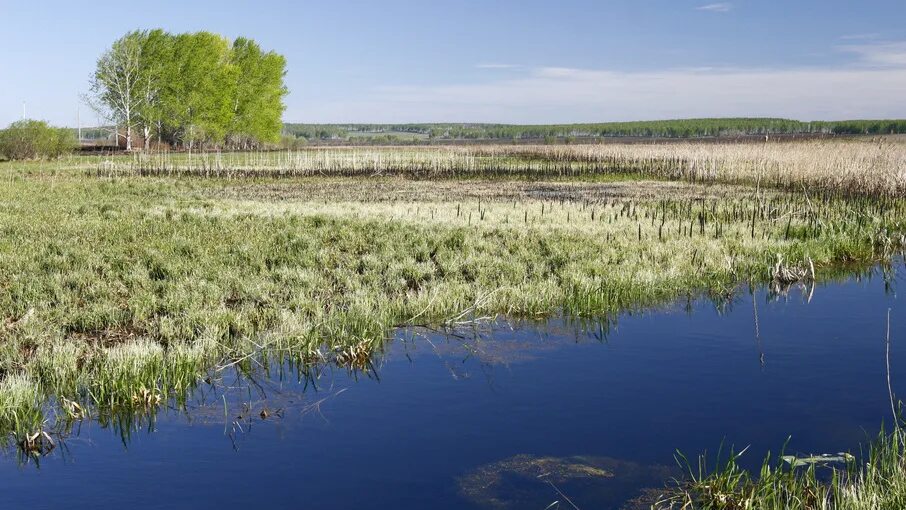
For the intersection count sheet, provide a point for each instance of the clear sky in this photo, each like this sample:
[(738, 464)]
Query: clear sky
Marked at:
[(523, 61)]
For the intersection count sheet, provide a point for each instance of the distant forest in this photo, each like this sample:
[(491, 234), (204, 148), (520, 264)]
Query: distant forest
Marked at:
[(680, 128), (296, 135)]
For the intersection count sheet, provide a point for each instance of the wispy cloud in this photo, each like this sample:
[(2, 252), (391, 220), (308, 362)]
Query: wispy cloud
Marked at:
[(716, 7), (498, 66), (888, 54), (860, 37), (563, 94)]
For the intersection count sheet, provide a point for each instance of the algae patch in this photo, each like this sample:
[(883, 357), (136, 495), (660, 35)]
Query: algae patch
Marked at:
[(529, 481)]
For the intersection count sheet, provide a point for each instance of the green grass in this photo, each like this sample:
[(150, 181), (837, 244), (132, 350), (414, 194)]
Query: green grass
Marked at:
[(875, 482)]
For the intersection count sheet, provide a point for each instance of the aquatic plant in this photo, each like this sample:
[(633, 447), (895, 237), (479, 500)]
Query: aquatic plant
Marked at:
[(840, 482)]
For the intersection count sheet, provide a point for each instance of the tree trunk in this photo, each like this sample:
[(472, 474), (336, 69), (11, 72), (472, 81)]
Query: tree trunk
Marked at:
[(128, 127), (147, 134)]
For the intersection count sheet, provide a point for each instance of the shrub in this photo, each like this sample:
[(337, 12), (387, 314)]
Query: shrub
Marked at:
[(34, 139), (291, 142)]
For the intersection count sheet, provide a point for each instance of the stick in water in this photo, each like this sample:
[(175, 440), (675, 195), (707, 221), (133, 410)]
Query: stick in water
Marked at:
[(896, 420)]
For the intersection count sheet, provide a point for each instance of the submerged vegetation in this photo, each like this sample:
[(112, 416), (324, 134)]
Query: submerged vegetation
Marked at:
[(528, 481)]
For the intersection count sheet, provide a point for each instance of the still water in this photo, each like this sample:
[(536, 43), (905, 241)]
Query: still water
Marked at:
[(509, 415)]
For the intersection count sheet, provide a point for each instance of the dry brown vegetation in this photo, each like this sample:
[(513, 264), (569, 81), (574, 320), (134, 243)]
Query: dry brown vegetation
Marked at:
[(873, 167), (397, 189)]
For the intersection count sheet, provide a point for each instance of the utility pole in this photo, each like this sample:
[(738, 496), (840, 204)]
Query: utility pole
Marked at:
[(23, 110), (79, 122)]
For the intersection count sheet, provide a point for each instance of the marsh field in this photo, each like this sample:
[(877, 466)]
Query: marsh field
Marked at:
[(132, 284)]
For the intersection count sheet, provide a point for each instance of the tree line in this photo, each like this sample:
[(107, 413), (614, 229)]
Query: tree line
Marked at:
[(679, 128), (191, 90)]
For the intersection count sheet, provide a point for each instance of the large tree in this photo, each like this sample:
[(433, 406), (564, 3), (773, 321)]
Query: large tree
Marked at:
[(157, 53), (199, 95), (191, 89), (119, 84), (258, 102)]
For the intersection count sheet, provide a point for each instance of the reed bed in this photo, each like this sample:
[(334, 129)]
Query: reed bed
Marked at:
[(852, 167)]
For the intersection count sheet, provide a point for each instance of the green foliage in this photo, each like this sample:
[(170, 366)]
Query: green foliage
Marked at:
[(34, 139), (258, 107), (201, 89), (292, 143), (193, 89)]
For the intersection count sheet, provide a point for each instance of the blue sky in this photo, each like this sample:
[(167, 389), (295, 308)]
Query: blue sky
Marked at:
[(500, 61)]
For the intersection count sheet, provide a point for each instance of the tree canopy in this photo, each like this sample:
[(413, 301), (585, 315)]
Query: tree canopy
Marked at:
[(192, 89)]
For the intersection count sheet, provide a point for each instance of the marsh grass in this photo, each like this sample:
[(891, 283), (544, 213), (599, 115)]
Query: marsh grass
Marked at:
[(876, 481), (119, 294), (21, 406)]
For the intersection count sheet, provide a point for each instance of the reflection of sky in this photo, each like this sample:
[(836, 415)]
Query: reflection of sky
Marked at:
[(656, 382)]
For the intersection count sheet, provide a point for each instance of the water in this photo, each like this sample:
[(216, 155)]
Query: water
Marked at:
[(459, 422)]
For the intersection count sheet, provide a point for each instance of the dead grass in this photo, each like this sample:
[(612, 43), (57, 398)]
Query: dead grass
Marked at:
[(394, 189), (875, 167)]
